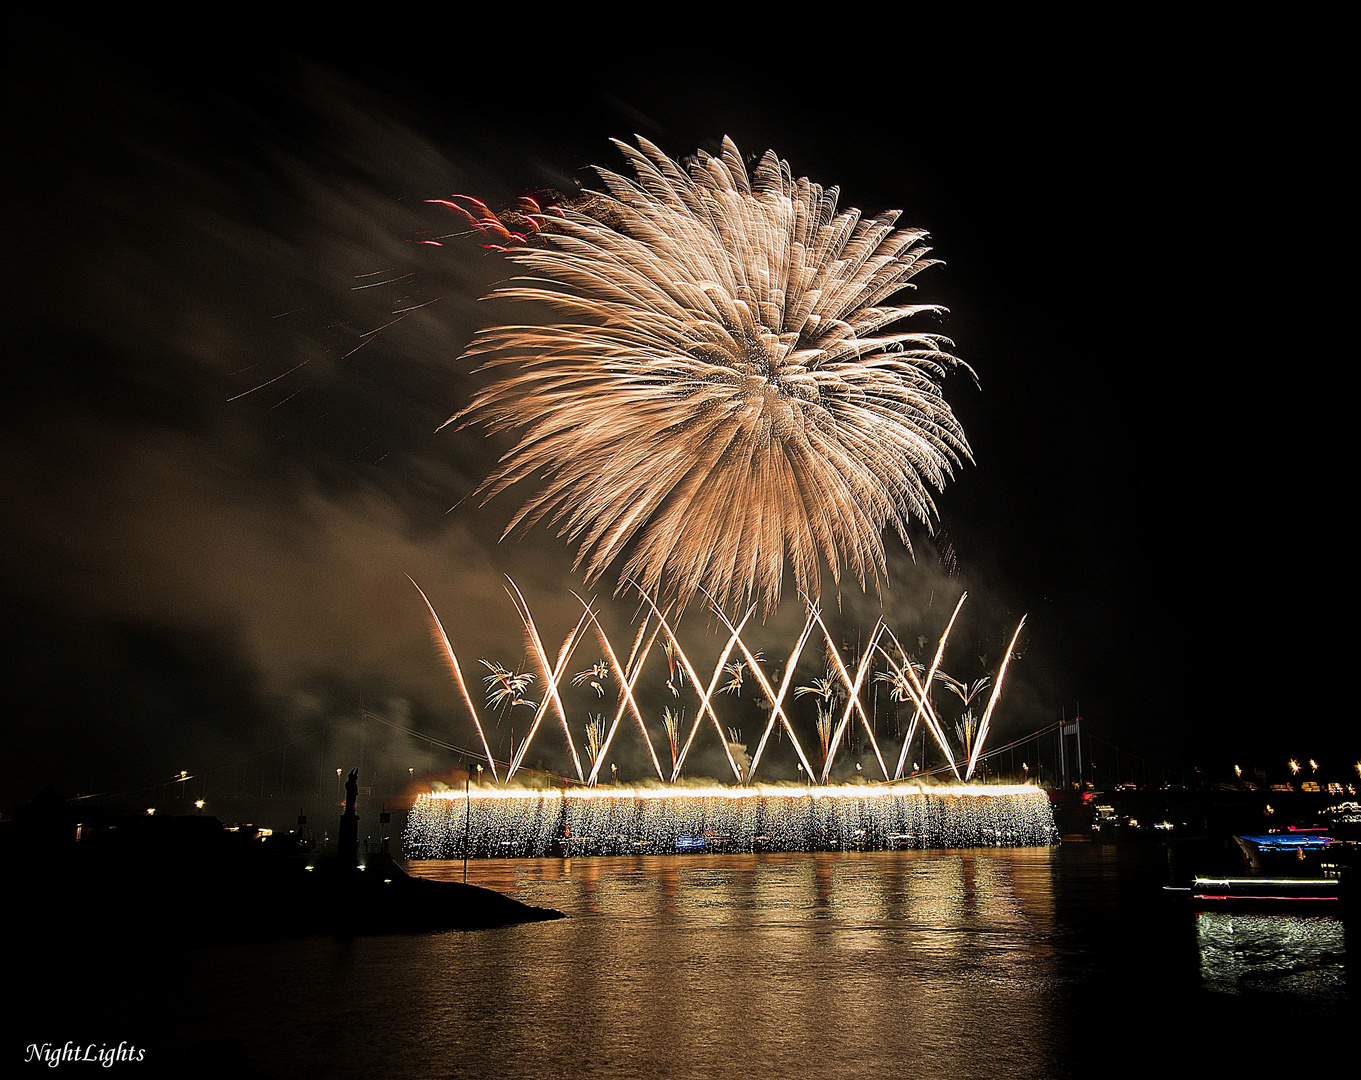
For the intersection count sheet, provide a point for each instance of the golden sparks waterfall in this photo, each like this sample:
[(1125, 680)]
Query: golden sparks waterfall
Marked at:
[(703, 338), (510, 823)]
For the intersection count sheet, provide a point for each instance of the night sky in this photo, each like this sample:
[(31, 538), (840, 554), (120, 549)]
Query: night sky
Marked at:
[(196, 577)]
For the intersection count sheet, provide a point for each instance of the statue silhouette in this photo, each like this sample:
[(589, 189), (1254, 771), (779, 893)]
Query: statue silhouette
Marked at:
[(347, 844)]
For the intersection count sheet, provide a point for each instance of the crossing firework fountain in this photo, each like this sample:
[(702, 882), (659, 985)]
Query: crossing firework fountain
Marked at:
[(666, 813)]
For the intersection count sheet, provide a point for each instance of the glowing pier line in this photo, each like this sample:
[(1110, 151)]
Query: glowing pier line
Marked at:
[(770, 817), (746, 791)]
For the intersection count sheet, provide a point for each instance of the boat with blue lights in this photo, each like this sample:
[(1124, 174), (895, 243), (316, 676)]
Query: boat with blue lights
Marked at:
[(1294, 849)]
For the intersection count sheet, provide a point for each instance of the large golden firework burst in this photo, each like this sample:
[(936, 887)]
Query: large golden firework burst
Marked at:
[(726, 389)]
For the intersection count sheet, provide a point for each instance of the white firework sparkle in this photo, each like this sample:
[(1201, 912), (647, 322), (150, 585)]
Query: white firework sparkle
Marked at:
[(729, 390)]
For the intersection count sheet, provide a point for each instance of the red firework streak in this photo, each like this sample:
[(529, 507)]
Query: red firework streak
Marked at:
[(516, 225)]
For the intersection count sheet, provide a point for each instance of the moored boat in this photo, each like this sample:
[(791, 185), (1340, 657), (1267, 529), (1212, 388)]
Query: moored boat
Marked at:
[(1289, 849)]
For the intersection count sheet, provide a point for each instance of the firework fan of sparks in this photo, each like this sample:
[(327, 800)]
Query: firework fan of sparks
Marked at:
[(728, 389)]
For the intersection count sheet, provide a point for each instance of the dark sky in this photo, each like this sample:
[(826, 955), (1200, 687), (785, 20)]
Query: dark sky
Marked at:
[(195, 579)]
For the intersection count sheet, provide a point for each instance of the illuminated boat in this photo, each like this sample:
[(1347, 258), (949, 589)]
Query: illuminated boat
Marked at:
[(1292, 848), (1268, 893)]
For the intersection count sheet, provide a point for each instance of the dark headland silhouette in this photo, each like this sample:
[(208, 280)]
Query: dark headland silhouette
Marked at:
[(99, 873)]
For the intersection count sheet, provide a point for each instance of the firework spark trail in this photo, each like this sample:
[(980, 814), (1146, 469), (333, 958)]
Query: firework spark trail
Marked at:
[(268, 382), (626, 685), (906, 685), (931, 674), (551, 677), (727, 341), (911, 731), (824, 723), (594, 676), (925, 710), (966, 692), (866, 667), (507, 688), (443, 639), (735, 669), (635, 664), (992, 701), (853, 699), (705, 696), (776, 700), (490, 224), (706, 699), (675, 676), (672, 722), (627, 682), (595, 739), (853, 686)]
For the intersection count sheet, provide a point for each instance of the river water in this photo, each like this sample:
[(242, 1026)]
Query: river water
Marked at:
[(1017, 963)]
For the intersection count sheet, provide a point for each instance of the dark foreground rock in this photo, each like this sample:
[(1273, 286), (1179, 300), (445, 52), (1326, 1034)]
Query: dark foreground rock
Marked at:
[(189, 879), (383, 898)]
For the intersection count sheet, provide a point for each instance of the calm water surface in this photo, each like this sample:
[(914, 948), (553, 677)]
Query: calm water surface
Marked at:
[(1038, 962)]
